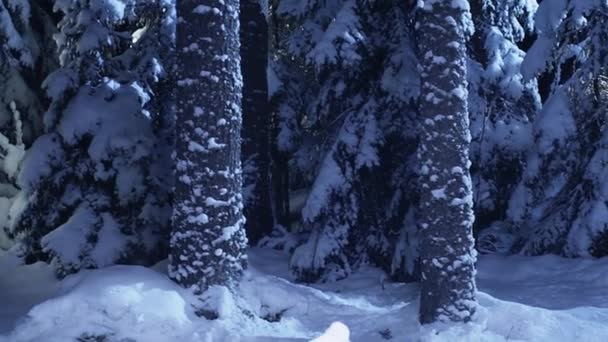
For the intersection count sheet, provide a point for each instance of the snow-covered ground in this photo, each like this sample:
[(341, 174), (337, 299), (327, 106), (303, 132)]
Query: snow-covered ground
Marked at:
[(521, 299)]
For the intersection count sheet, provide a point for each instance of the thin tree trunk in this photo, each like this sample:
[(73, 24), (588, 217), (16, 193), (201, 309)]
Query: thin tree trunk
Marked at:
[(256, 121)]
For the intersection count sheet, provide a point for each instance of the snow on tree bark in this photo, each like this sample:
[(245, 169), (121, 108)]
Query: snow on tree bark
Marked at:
[(207, 245), (445, 211), (256, 121)]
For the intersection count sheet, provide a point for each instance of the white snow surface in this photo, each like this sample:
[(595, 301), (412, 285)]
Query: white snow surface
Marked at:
[(522, 299)]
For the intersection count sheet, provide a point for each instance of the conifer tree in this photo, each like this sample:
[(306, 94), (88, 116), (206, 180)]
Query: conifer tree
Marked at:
[(93, 195), (347, 80), (559, 204), (502, 106), (26, 59)]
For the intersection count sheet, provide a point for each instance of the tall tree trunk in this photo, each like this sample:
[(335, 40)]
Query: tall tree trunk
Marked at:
[(256, 121), (280, 187), (445, 211), (279, 159), (208, 238)]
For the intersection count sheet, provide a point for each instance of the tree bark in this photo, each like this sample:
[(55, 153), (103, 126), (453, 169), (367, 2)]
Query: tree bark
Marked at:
[(256, 121), (207, 245), (445, 212)]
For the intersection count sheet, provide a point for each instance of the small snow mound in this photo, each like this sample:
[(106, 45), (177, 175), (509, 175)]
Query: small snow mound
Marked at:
[(221, 300), (136, 303), (337, 332), (120, 301), (502, 321), (473, 331)]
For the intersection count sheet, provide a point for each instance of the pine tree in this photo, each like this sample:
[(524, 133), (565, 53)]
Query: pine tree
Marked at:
[(25, 61), (256, 121), (502, 106), (325, 61), (559, 205), (445, 213), (391, 190), (347, 80), (208, 238), (92, 193)]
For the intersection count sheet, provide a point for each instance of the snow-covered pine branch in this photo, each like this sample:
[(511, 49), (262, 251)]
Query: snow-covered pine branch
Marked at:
[(97, 193)]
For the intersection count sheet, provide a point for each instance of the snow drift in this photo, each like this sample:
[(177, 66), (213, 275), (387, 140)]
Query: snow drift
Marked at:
[(131, 303)]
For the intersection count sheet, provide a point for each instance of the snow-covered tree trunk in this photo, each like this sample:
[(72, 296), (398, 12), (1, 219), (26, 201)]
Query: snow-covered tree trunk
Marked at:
[(207, 245), (256, 121), (446, 207)]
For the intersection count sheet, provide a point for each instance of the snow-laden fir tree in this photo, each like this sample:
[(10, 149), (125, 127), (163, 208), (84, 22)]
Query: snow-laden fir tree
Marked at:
[(208, 241), (560, 204), (256, 121), (445, 212), (324, 41), (25, 60), (347, 79), (390, 190), (501, 106), (94, 193), (11, 156)]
